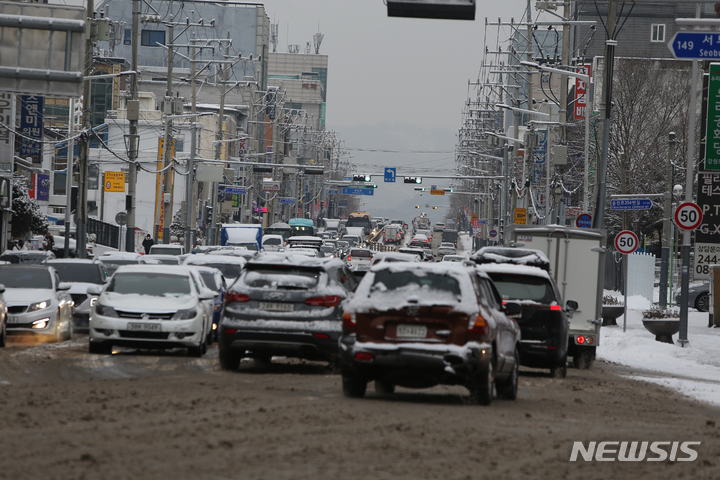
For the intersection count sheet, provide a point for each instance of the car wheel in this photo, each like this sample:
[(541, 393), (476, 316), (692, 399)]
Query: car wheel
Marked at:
[(100, 348), (3, 337), (482, 385), (584, 357), (229, 359), (702, 303), (59, 336), (69, 331), (197, 351), (209, 338), (559, 370), (384, 388), (353, 387), (508, 388)]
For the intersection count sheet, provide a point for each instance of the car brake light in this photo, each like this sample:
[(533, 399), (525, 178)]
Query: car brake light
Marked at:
[(323, 336), (236, 297), (331, 301), (230, 330), (348, 322), (364, 357), (480, 326), (580, 339), (556, 308)]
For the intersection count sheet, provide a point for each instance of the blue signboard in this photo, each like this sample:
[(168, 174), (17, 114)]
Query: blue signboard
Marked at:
[(357, 191), (43, 187), (348, 179), (631, 204), (235, 191), (333, 192), (696, 45), (483, 222), (390, 174), (290, 201), (584, 221), (31, 125)]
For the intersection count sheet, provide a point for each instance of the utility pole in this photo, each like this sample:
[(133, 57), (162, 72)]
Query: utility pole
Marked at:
[(190, 182), (133, 115), (167, 174), (219, 138), (81, 228), (666, 240), (69, 176)]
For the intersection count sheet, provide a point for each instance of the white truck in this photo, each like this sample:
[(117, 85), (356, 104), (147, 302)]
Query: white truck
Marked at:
[(577, 262), (391, 234)]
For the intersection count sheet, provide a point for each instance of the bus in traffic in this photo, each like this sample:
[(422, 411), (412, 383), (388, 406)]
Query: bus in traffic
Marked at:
[(302, 227)]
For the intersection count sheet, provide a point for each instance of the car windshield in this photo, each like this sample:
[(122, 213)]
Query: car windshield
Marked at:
[(327, 249), (228, 270), (28, 258), (210, 282), (387, 280), (281, 277), (21, 278), (523, 287), (147, 283), (272, 241), (79, 272)]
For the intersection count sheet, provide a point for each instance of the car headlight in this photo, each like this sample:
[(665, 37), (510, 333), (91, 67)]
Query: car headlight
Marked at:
[(105, 310), (185, 314), (39, 305)]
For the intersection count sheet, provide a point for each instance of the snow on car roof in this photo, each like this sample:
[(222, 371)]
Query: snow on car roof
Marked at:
[(396, 256), (305, 238), (281, 258), (214, 259), (517, 256), (513, 269), (165, 269)]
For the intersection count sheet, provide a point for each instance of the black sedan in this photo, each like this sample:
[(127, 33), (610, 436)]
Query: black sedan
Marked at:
[(285, 305)]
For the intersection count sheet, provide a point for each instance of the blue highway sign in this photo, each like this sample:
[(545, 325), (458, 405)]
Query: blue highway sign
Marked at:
[(631, 204), (290, 201), (357, 191), (333, 192), (390, 175), (696, 45), (235, 191)]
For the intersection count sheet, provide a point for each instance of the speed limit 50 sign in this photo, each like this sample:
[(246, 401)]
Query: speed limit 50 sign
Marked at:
[(688, 216), (626, 242)]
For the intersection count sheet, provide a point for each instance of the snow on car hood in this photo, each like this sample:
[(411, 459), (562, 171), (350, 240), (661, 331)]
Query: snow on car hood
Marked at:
[(134, 302), (27, 295)]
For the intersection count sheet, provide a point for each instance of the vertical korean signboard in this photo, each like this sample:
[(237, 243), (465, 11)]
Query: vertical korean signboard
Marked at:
[(712, 144), (581, 92), (31, 125), (7, 141)]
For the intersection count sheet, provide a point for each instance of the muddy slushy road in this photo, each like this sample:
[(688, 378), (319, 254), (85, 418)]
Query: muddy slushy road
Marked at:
[(66, 414)]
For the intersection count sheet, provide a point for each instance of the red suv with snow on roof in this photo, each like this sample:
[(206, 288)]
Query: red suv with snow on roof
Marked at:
[(419, 325)]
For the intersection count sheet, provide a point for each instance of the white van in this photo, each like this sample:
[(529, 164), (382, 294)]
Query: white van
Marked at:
[(167, 249)]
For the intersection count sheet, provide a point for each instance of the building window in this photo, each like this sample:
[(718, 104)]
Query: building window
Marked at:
[(658, 32), (127, 38), (151, 38)]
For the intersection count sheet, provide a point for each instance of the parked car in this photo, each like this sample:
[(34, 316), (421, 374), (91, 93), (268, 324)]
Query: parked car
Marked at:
[(151, 306), (80, 274), (30, 257), (521, 275), (229, 266), (418, 252), (698, 296), (419, 240), (418, 325), (273, 243), (288, 305), (359, 258), (38, 303)]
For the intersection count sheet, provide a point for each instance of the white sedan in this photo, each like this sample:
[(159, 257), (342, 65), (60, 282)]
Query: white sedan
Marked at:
[(152, 306)]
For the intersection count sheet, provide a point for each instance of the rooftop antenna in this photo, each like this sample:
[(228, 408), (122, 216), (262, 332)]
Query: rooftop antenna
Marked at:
[(317, 40), (274, 27)]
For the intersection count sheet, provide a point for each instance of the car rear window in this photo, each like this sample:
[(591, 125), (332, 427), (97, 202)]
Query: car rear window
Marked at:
[(523, 287), (272, 241), (227, 269), (387, 280), (361, 253), (281, 277)]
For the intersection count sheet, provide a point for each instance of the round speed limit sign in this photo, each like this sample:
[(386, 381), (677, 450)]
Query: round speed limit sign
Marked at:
[(626, 242), (688, 216)]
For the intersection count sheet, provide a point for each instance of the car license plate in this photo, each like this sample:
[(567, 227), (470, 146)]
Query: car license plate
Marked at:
[(13, 319), (276, 306), (411, 331), (151, 327)]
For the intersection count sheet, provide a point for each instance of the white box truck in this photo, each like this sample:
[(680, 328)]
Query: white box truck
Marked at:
[(577, 259)]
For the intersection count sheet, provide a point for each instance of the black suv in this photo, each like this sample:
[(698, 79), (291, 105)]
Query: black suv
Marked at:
[(522, 276)]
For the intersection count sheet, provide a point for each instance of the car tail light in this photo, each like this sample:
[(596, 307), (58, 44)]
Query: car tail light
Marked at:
[(349, 324), (364, 357), (580, 339), (230, 331), (236, 297), (331, 301), (322, 336), (556, 308), (589, 340), (480, 327)]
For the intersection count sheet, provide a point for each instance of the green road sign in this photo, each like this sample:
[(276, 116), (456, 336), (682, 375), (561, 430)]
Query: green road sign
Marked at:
[(712, 145)]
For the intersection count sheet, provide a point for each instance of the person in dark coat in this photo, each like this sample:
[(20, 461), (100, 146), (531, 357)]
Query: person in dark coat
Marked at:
[(147, 243)]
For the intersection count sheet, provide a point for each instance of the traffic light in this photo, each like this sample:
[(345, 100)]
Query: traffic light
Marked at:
[(370, 185), (361, 178), (434, 208), (451, 190), (413, 179), (420, 189), (417, 206)]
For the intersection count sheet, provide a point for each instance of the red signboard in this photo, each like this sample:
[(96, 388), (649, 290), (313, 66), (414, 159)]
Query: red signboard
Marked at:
[(581, 92), (476, 223)]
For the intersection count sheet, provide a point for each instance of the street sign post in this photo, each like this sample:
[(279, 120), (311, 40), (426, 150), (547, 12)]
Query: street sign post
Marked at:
[(631, 204), (695, 45), (357, 191), (493, 233), (584, 221), (626, 242), (235, 191), (390, 174), (688, 216), (712, 145), (289, 201), (333, 192)]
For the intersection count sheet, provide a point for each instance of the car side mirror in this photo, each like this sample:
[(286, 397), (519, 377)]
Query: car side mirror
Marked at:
[(208, 295), (571, 306), (2, 288), (94, 290), (513, 309), (63, 286)]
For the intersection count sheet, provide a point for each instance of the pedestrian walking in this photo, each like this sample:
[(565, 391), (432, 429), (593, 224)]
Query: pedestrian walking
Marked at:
[(147, 243)]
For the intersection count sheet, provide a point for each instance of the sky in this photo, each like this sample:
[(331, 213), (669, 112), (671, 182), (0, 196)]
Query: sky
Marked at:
[(394, 84)]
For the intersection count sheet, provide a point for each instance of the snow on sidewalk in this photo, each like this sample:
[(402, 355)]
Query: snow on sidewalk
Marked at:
[(693, 371)]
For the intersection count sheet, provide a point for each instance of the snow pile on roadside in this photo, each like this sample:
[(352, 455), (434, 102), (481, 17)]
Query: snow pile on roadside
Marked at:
[(693, 371)]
